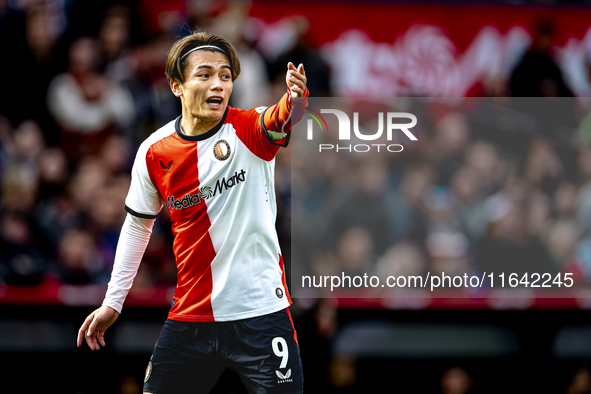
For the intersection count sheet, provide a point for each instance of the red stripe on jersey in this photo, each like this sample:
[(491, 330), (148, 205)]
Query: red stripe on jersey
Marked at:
[(282, 267), (295, 334), (193, 247), (248, 129)]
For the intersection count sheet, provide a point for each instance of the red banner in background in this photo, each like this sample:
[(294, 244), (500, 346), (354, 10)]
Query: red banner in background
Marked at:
[(382, 49), (161, 297)]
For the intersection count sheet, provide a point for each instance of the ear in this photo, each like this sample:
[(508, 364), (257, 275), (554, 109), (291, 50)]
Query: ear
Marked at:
[(175, 86)]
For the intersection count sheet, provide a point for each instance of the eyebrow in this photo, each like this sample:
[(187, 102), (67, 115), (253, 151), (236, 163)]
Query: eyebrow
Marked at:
[(211, 68)]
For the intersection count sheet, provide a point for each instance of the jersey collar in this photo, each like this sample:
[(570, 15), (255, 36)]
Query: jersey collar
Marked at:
[(200, 137)]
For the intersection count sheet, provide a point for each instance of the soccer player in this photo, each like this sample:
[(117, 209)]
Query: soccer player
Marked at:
[(213, 169)]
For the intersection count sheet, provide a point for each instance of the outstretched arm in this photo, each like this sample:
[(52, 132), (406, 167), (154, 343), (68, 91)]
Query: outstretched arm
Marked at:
[(290, 109), (133, 240), (266, 132)]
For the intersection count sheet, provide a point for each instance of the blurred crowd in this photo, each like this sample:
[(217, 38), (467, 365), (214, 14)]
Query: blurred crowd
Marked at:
[(492, 185), (84, 86), (499, 184)]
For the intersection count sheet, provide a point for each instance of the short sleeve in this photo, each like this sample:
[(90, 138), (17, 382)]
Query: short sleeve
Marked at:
[(143, 199), (263, 130), (250, 129)]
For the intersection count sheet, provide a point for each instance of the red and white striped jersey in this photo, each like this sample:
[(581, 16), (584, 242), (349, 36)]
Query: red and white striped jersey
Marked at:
[(219, 190)]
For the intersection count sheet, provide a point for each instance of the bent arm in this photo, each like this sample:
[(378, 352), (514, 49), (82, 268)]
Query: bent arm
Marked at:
[(279, 117), (292, 106), (133, 240), (272, 127)]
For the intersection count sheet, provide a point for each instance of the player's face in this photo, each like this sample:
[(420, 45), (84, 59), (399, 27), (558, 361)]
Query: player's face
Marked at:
[(208, 85)]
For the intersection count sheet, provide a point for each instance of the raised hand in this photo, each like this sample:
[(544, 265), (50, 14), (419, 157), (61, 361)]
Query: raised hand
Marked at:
[(296, 80)]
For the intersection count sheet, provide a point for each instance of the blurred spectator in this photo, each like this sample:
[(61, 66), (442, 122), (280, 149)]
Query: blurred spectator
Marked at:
[(6, 143), (158, 256), (543, 166), (106, 217), (538, 215), (87, 106), (142, 72), (449, 252), (456, 381), (130, 385), (19, 191), (505, 246), (79, 259), (29, 35), (537, 74), (252, 89), (164, 17), (203, 13), (406, 205), (444, 149), (116, 155), (362, 204), (404, 258), (114, 34), (583, 198), (87, 182), (27, 144), (343, 374), (355, 251), (581, 382), (106, 205), (565, 199), (53, 173), (21, 263), (583, 259), (317, 329), (562, 240), (483, 158), (469, 210), (317, 71)]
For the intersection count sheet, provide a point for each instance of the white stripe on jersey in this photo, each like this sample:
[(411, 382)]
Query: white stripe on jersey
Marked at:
[(241, 287)]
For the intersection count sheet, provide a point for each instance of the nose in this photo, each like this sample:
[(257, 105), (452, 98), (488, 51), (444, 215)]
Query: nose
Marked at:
[(216, 84)]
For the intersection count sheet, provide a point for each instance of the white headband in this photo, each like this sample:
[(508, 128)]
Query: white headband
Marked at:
[(201, 47)]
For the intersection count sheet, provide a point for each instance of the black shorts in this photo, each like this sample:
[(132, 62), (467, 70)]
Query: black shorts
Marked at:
[(189, 357)]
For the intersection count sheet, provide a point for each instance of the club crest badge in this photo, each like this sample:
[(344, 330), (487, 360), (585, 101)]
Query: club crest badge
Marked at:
[(221, 150), (148, 371)]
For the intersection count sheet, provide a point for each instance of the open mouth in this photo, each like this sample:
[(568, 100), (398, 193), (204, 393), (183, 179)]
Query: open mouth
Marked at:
[(214, 101)]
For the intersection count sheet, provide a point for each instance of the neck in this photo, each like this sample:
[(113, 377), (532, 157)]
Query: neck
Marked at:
[(192, 125)]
